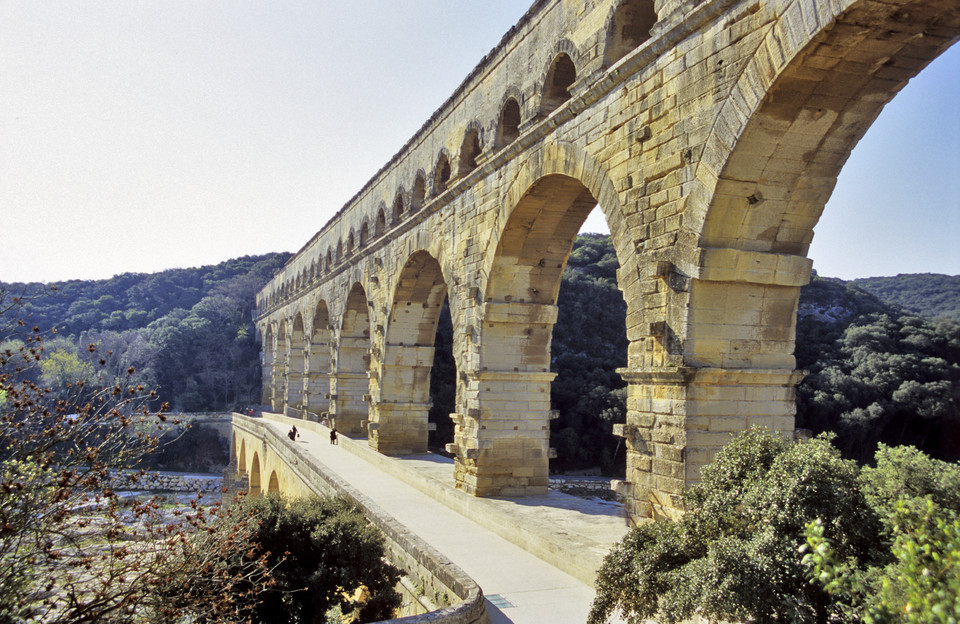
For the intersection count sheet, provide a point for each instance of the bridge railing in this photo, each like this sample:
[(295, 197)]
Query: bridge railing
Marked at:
[(434, 575)]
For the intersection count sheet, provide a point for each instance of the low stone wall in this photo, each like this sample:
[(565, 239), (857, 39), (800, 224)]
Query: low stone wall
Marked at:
[(168, 482), (431, 578)]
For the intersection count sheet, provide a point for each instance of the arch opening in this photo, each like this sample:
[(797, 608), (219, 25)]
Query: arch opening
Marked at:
[(508, 130), (629, 27), (364, 234), (441, 174), (254, 483), (418, 194), (273, 485), (469, 151), (556, 87), (268, 353), (381, 225), (281, 351), (295, 366), (242, 458), (402, 386), (398, 208), (519, 315)]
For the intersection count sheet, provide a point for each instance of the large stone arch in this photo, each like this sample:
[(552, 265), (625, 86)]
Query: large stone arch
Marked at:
[(502, 430), (402, 404), (316, 384), (815, 82), (350, 384)]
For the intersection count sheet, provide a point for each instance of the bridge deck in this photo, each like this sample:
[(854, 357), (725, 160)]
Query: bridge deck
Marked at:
[(519, 586)]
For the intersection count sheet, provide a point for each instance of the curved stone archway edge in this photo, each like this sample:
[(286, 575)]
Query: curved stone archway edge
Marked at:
[(711, 142)]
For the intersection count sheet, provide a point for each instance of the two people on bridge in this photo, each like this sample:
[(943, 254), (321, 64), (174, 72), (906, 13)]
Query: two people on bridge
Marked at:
[(293, 434)]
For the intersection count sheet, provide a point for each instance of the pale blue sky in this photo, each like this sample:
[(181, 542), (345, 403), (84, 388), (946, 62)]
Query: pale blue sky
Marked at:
[(139, 136)]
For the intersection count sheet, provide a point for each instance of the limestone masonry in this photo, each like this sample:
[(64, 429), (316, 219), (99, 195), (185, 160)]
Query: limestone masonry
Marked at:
[(710, 134)]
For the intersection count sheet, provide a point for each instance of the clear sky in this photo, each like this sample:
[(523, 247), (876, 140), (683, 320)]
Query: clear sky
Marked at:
[(139, 136)]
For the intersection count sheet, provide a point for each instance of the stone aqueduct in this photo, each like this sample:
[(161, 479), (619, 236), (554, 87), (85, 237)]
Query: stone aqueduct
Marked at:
[(710, 133)]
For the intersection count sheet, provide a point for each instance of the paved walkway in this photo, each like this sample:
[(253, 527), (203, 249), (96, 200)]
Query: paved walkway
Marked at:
[(518, 586)]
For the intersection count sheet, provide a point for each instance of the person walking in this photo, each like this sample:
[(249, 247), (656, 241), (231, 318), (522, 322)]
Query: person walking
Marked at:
[(333, 436)]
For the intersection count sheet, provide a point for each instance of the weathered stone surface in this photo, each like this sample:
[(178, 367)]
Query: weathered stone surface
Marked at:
[(710, 134)]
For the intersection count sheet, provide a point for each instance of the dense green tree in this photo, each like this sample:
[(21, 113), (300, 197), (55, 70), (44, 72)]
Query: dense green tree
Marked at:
[(886, 378), (320, 552), (735, 555), (918, 502)]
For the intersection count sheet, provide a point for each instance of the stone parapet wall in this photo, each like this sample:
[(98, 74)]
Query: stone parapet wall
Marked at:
[(433, 577)]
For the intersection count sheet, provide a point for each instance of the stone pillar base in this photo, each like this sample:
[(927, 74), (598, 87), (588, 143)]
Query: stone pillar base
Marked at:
[(502, 442), (679, 418), (399, 428)]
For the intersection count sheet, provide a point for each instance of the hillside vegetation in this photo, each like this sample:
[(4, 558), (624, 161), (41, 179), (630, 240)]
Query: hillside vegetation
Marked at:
[(878, 372), (188, 333), (927, 294)]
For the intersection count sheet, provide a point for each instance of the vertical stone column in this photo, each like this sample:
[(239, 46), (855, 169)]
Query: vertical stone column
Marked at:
[(266, 375), (502, 434), (295, 378), (399, 418), (279, 380), (733, 341), (502, 441), (316, 387), (349, 386)]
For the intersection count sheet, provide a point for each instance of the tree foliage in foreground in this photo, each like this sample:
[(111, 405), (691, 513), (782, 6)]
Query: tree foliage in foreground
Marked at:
[(71, 548), (323, 556), (735, 555)]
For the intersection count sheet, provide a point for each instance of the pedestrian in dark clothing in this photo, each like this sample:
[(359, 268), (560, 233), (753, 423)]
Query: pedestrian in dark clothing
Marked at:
[(333, 436)]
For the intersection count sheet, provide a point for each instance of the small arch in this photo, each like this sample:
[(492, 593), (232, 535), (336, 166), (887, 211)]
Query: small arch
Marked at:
[(242, 458), (381, 225), (418, 193), (398, 207), (364, 233), (469, 150), (339, 251), (274, 485), (441, 173), (329, 258), (627, 27), (508, 129), (350, 243), (254, 483), (556, 86)]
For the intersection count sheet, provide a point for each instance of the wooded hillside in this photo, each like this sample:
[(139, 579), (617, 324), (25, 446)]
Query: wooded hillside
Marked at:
[(188, 333), (878, 373)]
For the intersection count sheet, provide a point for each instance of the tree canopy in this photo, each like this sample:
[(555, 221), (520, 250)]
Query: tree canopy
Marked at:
[(737, 554)]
